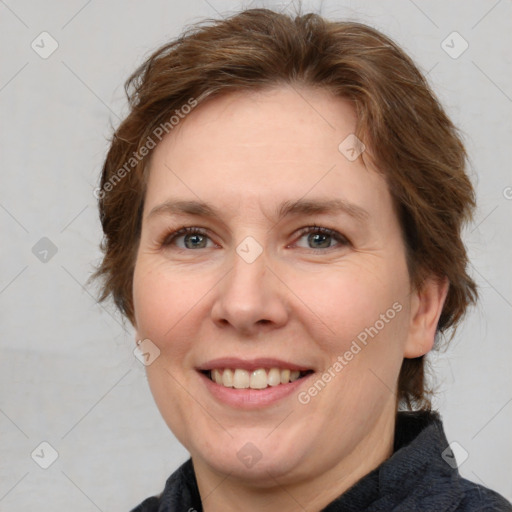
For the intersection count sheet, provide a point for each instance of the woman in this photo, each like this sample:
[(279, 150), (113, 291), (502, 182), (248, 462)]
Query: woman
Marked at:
[(282, 210)]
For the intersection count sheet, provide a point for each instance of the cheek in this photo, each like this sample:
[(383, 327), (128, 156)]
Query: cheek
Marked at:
[(162, 300), (149, 301), (362, 333), (344, 303), (161, 305), (364, 313)]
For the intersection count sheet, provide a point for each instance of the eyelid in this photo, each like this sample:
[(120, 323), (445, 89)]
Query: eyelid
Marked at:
[(342, 239), (168, 238)]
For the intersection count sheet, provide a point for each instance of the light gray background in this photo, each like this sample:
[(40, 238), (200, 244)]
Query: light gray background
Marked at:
[(68, 374)]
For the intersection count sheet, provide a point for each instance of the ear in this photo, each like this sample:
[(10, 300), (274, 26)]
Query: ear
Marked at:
[(426, 307)]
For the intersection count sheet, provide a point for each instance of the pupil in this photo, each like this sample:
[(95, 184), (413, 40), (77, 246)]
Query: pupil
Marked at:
[(193, 239), (319, 237)]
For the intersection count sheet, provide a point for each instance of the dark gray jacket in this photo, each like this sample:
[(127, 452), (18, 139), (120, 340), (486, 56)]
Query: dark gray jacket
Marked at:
[(421, 475)]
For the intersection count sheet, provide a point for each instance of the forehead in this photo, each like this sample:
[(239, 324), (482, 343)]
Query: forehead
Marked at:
[(285, 121), (265, 146)]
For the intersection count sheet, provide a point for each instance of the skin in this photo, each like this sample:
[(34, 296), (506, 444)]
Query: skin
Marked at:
[(301, 300)]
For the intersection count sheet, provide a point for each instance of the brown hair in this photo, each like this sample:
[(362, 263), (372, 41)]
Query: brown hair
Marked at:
[(410, 138)]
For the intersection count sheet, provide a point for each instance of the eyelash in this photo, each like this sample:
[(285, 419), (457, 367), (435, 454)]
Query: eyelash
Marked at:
[(168, 239)]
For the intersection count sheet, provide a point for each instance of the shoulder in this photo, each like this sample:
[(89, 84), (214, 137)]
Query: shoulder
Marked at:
[(420, 472), (149, 505), (477, 498)]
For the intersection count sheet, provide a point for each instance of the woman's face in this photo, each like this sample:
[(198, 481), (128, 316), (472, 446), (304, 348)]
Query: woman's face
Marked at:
[(292, 261)]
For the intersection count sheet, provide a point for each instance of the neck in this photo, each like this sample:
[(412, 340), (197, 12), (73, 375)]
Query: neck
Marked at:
[(226, 493)]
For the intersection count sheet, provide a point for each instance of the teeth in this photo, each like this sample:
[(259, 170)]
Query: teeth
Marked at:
[(217, 376), (294, 375), (274, 377), (257, 379), (241, 379), (227, 378)]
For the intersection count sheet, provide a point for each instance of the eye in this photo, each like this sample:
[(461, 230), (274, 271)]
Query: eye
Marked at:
[(317, 238), (190, 238), (321, 238)]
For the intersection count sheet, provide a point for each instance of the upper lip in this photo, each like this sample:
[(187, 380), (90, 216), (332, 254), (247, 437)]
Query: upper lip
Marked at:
[(250, 364)]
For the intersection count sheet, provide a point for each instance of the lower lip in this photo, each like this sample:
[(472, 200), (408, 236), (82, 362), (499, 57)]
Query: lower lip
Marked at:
[(252, 398)]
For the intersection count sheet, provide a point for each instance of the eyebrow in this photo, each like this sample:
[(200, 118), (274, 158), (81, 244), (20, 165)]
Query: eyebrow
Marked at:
[(286, 209)]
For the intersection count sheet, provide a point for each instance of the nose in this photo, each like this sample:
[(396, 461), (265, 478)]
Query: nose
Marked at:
[(251, 298)]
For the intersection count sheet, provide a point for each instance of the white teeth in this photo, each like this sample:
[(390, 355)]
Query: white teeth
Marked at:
[(260, 378), (241, 379), (274, 377), (227, 378), (217, 376)]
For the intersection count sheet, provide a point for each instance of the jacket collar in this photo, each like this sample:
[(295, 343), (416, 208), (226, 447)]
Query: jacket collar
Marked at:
[(415, 477)]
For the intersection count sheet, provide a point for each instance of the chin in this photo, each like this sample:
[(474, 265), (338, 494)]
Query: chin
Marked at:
[(254, 458)]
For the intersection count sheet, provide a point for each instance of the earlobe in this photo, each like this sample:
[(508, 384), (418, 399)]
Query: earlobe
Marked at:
[(426, 308)]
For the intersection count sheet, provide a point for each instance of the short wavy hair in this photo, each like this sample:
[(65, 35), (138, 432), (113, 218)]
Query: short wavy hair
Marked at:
[(412, 141)]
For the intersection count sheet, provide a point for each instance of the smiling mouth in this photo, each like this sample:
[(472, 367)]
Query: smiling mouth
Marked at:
[(260, 378)]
